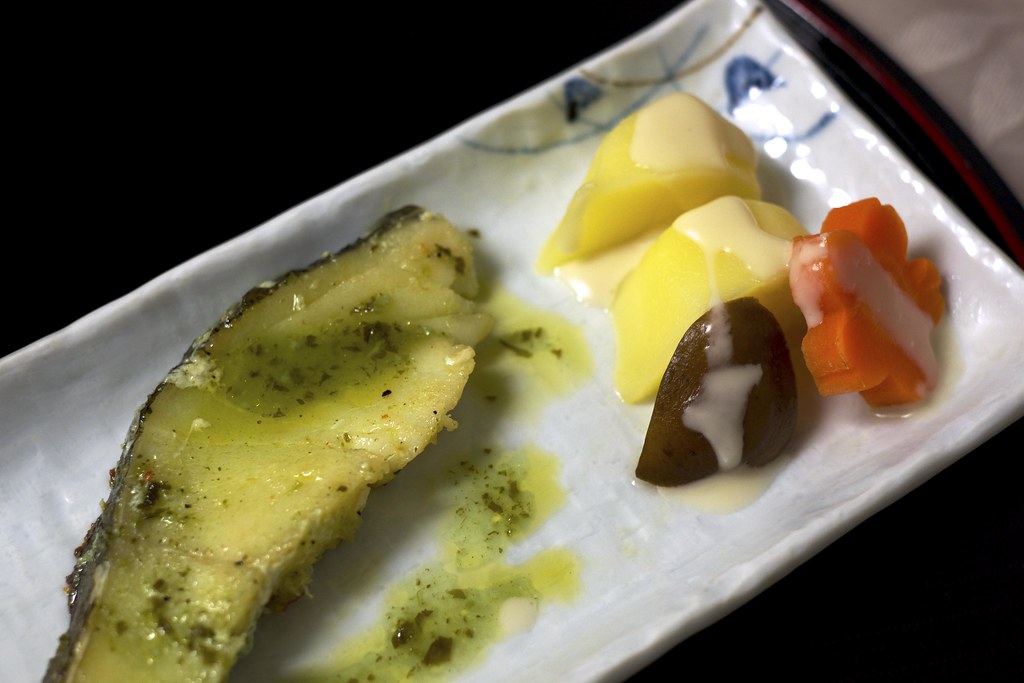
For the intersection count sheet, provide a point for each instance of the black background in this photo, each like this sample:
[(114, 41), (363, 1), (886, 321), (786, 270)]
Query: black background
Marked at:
[(137, 142)]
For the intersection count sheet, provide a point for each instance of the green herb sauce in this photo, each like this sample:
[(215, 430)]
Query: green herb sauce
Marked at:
[(444, 617)]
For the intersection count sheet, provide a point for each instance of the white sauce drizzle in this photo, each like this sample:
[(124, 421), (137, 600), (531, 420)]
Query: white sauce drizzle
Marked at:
[(595, 279), (861, 275), (807, 258), (680, 131), (723, 225), (518, 615), (718, 410), (728, 225), (727, 491), (720, 406), (719, 334)]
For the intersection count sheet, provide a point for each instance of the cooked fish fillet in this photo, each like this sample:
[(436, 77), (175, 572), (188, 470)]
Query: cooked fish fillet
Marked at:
[(256, 454)]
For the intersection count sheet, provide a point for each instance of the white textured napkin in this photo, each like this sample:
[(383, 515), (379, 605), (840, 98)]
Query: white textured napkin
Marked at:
[(969, 56)]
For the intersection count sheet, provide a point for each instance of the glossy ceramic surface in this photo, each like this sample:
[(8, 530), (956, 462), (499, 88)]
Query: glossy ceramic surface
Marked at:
[(652, 571)]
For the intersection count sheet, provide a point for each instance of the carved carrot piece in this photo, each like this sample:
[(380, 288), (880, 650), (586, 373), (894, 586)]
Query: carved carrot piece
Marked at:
[(870, 312)]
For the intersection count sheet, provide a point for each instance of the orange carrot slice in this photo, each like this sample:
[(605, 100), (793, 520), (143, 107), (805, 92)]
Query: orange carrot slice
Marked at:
[(870, 312)]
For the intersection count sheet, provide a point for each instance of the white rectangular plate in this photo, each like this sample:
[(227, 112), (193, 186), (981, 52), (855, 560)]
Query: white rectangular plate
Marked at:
[(652, 571)]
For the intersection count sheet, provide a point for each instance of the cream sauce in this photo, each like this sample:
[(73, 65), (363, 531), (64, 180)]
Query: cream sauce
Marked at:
[(518, 614), (723, 225), (595, 279), (727, 491), (728, 225), (717, 412), (861, 275), (680, 131)]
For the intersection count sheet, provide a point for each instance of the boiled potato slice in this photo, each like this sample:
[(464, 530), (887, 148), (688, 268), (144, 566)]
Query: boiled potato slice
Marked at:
[(725, 249), (666, 158)]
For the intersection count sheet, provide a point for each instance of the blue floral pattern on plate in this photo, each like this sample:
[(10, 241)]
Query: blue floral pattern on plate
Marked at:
[(745, 80)]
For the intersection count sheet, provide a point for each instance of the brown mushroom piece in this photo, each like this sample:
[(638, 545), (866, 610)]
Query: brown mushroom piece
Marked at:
[(674, 453)]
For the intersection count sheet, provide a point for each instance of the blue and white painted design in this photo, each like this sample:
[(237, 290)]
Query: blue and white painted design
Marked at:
[(747, 82)]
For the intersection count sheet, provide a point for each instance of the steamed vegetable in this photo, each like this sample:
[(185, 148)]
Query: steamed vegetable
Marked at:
[(728, 397), (670, 156), (725, 249), (869, 311)]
